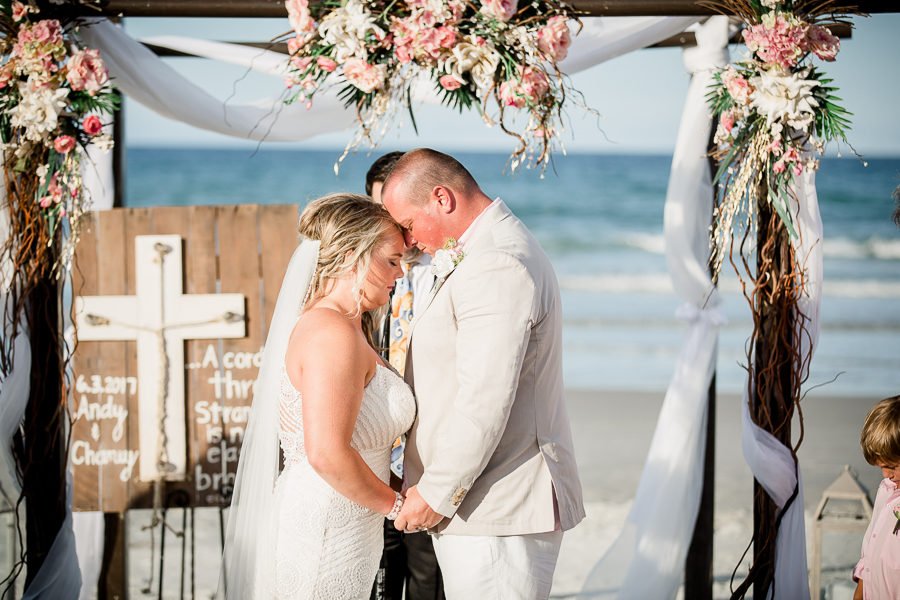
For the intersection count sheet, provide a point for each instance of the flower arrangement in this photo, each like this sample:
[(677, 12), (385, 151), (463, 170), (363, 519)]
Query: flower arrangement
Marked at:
[(773, 108), (471, 51), (446, 259), (53, 94)]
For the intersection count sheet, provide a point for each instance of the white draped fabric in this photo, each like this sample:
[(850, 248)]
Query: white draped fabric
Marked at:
[(771, 461), (647, 559)]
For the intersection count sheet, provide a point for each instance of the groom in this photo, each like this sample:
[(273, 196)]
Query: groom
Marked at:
[(490, 468)]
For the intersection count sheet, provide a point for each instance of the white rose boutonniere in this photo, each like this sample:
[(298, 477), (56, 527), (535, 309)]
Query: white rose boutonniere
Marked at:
[(446, 259)]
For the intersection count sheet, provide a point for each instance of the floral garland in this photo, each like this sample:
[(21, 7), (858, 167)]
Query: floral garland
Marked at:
[(53, 93), (772, 107), (472, 51)]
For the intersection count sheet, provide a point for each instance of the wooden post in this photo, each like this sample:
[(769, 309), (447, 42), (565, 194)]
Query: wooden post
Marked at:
[(698, 565), (43, 446), (119, 163), (113, 583)]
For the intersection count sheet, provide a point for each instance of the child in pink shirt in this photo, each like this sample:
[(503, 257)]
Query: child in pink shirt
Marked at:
[(878, 571)]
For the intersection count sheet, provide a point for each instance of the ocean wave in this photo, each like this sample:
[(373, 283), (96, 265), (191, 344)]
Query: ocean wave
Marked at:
[(839, 247), (659, 283), (873, 247)]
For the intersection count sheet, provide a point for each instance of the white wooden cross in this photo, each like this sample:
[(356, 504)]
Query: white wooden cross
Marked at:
[(160, 317)]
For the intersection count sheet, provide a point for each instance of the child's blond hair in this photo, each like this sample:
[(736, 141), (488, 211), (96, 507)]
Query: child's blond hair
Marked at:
[(880, 438)]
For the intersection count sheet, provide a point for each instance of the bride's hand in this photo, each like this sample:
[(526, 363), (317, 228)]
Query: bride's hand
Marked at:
[(416, 515)]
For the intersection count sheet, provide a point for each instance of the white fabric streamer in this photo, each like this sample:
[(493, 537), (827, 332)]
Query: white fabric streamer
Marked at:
[(604, 38), (89, 529), (647, 559), (769, 459), (144, 77), (248, 563)]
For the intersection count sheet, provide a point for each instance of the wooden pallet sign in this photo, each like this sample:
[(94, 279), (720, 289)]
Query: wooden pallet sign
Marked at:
[(171, 307)]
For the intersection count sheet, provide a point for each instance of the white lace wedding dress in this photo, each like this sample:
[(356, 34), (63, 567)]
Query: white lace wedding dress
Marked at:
[(328, 547)]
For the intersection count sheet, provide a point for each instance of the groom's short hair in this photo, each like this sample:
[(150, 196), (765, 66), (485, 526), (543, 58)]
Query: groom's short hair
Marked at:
[(423, 168)]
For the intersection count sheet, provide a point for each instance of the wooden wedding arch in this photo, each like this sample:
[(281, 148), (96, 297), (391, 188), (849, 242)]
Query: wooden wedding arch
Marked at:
[(46, 493)]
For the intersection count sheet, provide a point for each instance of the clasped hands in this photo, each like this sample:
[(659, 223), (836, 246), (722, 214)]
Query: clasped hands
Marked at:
[(416, 515)]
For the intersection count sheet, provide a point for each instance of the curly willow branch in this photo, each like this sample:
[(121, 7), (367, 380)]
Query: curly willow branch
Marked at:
[(778, 358), (34, 263)]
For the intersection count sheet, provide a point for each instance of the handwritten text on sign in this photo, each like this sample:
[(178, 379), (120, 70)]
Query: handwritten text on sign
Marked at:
[(219, 420), (102, 402)]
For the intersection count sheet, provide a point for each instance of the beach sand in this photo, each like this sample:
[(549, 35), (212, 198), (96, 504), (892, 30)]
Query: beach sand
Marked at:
[(612, 432)]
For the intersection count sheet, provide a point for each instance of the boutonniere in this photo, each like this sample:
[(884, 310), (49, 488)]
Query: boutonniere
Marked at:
[(897, 516), (446, 259)]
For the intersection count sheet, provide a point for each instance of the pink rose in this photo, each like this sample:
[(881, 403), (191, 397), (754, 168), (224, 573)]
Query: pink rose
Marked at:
[(736, 86), (727, 121), (449, 82), (403, 54), (502, 10), (326, 64), (64, 143), (92, 125), (6, 76), (426, 44), (364, 76), (87, 71), (534, 83), (822, 43), (779, 167), (509, 94), (301, 63), (298, 15), (47, 31), (529, 88), (446, 37), (46, 201), (554, 39)]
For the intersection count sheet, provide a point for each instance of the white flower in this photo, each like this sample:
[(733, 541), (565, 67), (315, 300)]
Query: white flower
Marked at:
[(771, 3), (41, 172), (38, 110), (526, 41), (446, 259), (346, 28), (104, 142), (480, 60), (780, 95)]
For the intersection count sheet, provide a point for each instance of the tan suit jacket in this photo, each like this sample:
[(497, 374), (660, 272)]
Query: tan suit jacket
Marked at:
[(491, 440)]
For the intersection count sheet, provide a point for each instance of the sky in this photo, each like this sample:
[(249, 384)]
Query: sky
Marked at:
[(639, 96)]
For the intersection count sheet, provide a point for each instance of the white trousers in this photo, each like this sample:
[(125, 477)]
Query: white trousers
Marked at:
[(512, 567)]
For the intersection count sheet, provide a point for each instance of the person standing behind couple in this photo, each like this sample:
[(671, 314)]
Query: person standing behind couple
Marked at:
[(408, 560), (489, 468)]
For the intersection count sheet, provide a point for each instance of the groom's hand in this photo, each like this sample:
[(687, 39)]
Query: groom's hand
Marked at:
[(416, 515)]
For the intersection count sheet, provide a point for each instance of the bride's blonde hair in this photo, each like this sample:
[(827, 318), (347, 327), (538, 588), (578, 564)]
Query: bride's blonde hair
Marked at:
[(349, 227)]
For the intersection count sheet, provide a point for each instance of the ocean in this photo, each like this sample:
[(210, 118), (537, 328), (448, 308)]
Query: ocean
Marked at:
[(600, 219)]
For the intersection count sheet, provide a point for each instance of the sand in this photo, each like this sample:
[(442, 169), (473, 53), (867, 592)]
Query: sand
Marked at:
[(612, 431)]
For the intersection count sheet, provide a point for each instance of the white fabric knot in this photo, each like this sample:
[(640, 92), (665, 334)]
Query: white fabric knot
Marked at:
[(691, 313)]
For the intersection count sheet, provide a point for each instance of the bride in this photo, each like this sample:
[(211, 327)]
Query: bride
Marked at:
[(315, 529)]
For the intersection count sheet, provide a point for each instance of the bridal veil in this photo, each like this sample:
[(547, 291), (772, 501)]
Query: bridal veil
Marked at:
[(248, 560)]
